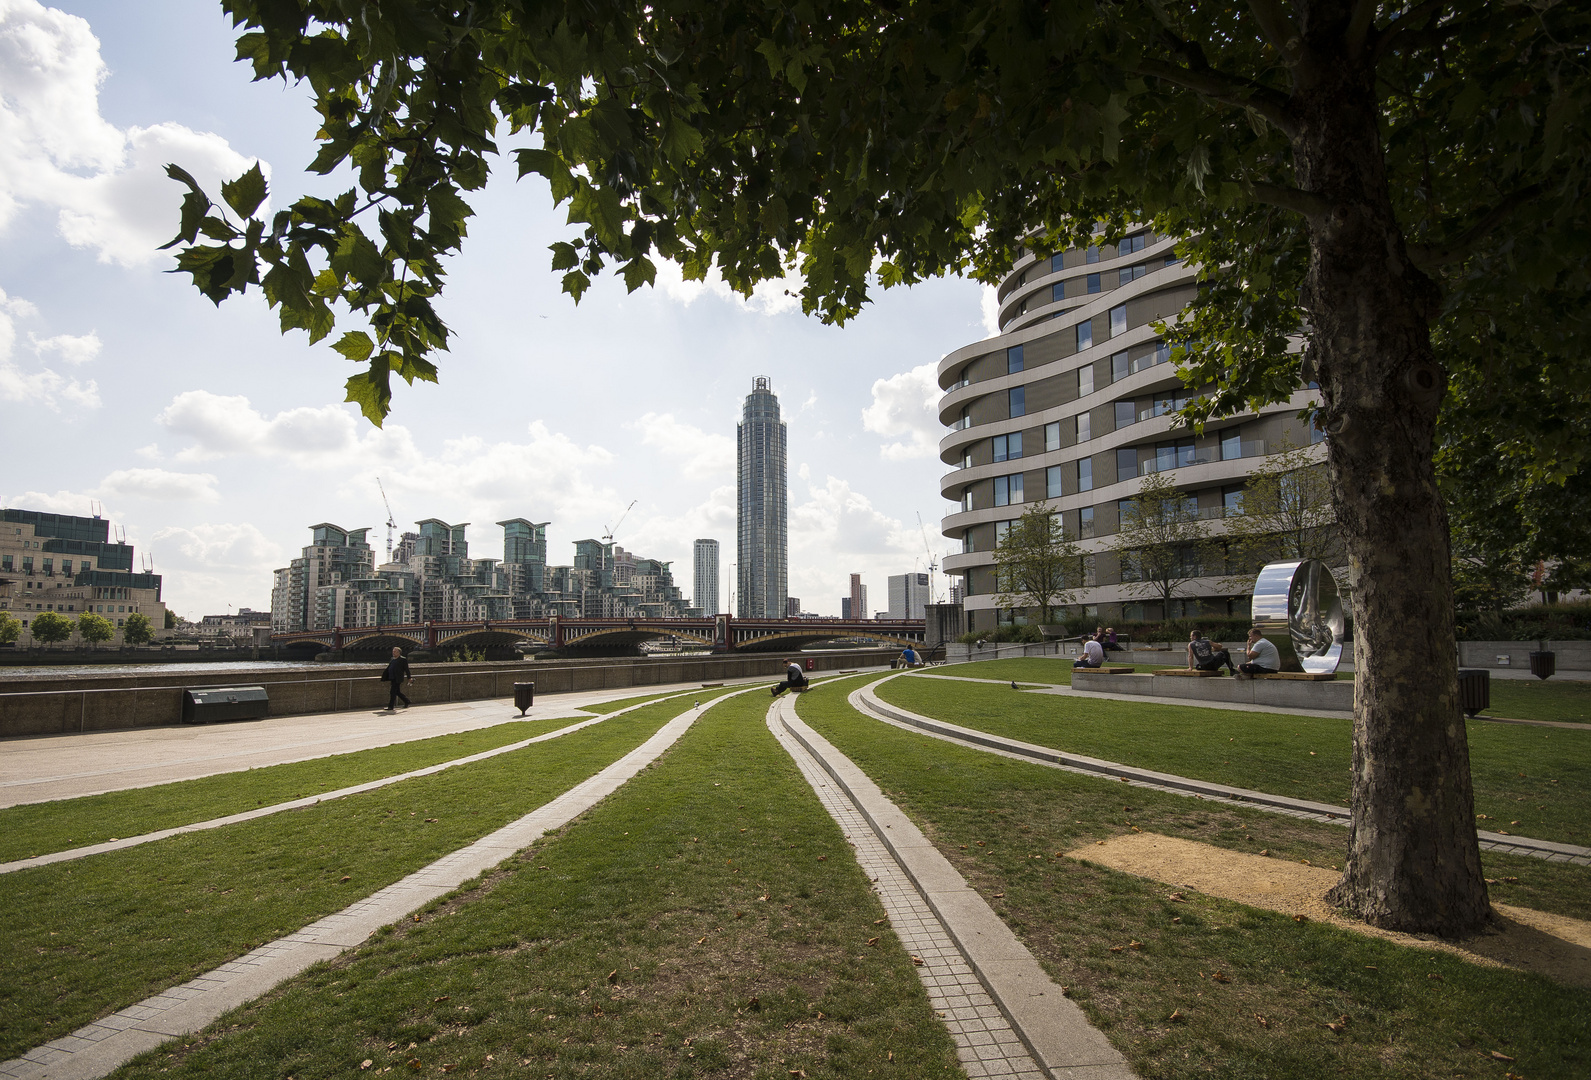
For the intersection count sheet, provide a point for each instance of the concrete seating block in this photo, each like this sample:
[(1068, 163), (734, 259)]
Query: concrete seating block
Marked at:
[(1188, 673), (1302, 676), (1107, 670)]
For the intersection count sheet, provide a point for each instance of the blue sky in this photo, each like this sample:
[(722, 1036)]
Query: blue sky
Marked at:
[(215, 441)]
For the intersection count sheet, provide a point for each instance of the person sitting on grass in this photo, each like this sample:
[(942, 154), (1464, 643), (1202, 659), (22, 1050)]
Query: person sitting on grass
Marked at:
[(1093, 655), (793, 679), (1206, 655), (1263, 659)]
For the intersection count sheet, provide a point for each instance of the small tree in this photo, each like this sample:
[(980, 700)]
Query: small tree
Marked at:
[(51, 628), (1286, 514), (10, 629), (1036, 565), (95, 629), (171, 619), (1162, 543), (137, 630)]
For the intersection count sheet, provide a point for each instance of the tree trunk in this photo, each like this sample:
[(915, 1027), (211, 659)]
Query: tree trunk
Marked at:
[(1413, 859)]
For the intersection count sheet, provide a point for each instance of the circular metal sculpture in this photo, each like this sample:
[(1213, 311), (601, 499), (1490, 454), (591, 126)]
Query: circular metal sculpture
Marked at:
[(1301, 598)]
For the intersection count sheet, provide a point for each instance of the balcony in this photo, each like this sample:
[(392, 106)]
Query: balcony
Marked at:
[(1166, 460)]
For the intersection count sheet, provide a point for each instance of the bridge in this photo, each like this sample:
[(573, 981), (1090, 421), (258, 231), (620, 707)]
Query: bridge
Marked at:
[(723, 633)]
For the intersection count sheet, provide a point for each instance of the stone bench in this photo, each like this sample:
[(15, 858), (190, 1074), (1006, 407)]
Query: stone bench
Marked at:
[(1107, 670), (1189, 673), (1302, 676), (1280, 694)]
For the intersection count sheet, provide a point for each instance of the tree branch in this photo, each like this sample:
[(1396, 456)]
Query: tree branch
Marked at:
[(1223, 88), (1277, 27), (1427, 256), (1299, 201), (1360, 25), (1414, 21)]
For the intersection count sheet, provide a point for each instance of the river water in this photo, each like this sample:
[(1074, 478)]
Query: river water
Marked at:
[(52, 670)]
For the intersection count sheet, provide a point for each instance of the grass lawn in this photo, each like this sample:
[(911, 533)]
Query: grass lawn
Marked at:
[(87, 937), (1535, 700), (707, 920), (1529, 781), (605, 707), (40, 828), (991, 815)]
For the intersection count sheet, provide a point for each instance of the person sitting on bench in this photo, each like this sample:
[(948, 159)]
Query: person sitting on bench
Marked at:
[(1093, 655), (1263, 659), (1206, 655), (1110, 642), (793, 679), (909, 658)]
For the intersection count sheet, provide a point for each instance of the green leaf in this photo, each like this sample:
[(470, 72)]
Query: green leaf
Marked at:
[(245, 194), (639, 271), (372, 392), (355, 345)]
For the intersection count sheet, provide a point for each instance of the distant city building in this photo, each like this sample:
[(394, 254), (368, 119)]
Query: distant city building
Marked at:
[(704, 577), (792, 606), (335, 582), (241, 623), (956, 593), (762, 544), (908, 595), (858, 598), (58, 562)]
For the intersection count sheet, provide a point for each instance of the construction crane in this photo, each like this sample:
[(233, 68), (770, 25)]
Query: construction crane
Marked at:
[(391, 524), (933, 560), (607, 537)]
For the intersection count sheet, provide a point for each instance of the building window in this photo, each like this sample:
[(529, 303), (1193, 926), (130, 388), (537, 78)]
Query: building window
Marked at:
[(1057, 262), (5, 563), (1013, 360), (966, 419), (1085, 522), (1007, 447), (1085, 380), (49, 566), (1177, 399), (1119, 368), (1017, 398), (1126, 464), (1085, 474), (1127, 274), (1083, 425), (1052, 482), (27, 564), (1085, 335), (1132, 244), (1118, 320), (1174, 455), (1232, 500), (1052, 436), (1001, 530), (1008, 489), (1231, 444), (966, 498), (1090, 571), (966, 459), (1161, 354), (1091, 255), (1057, 292), (1126, 413), (1094, 285)]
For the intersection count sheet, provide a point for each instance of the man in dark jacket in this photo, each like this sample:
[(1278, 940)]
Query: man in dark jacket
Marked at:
[(395, 675), (793, 679)]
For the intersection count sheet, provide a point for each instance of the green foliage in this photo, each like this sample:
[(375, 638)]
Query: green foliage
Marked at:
[(1162, 543), (1286, 514), (1569, 621), (1036, 565), (10, 628), (171, 619), (95, 629), (138, 630), (50, 628)]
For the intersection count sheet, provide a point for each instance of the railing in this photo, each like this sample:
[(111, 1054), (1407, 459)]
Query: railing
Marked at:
[(1255, 448), (1182, 459)]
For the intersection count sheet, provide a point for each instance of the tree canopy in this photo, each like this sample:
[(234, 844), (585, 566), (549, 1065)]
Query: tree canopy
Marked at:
[(1036, 565), (138, 630), (94, 628), (50, 628)]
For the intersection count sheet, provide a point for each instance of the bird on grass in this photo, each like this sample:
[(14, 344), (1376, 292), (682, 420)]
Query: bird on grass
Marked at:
[(1014, 685)]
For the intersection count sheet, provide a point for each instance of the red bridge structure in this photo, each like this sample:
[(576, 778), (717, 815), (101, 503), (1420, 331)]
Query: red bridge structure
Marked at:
[(723, 633)]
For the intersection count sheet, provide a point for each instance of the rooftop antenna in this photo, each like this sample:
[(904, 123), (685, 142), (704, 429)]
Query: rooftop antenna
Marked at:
[(933, 560), (391, 524)]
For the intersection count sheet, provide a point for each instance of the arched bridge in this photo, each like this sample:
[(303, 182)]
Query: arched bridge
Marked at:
[(723, 633)]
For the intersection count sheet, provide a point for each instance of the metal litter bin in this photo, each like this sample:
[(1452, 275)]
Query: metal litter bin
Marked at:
[(209, 704), (1543, 665), (524, 696), (1474, 690)]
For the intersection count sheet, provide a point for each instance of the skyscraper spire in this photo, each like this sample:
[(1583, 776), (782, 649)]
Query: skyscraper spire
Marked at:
[(762, 508)]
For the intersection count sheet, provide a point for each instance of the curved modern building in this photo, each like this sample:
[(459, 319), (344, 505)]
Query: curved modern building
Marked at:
[(1071, 403)]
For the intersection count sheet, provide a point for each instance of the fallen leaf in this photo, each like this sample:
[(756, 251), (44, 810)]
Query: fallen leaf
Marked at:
[(701, 939), (1177, 919), (1001, 895), (444, 997), (1371, 967), (1336, 1027), (1498, 1055), (1135, 945), (872, 941), (919, 961), (1101, 843), (346, 877), (365, 1064), (1311, 753), (613, 976), (823, 858), (879, 922), (892, 1055), (448, 1067), (764, 896), (1176, 1014), (1513, 823), (1265, 851), (1264, 1023), (1220, 977), (1438, 978), (1116, 948), (1300, 918), (414, 1063), (1177, 897)]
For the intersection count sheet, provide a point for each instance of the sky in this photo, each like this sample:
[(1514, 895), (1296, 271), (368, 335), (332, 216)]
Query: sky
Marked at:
[(215, 442)]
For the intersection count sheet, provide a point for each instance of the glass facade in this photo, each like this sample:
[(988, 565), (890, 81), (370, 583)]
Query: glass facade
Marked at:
[(762, 507)]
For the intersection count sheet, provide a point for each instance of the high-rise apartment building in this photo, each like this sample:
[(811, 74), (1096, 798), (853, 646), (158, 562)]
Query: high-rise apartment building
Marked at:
[(1071, 404), (704, 578), (762, 546), (908, 595), (856, 604)]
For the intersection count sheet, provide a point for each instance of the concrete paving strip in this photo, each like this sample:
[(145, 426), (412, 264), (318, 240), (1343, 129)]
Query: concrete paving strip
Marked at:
[(865, 700), (1027, 683), (99, 1048), (308, 800), (1008, 1017)]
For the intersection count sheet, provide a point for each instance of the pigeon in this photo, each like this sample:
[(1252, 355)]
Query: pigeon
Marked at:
[(698, 704), (1014, 685)]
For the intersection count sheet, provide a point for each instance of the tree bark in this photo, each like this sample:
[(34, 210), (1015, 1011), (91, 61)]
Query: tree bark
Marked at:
[(1413, 859)]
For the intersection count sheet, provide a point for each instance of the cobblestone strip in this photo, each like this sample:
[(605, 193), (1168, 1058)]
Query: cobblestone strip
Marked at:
[(99, 1048), (866, 701), (1018, 1026)]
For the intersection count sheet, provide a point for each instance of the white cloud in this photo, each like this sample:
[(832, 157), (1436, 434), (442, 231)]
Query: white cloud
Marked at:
[(81, 503), (225, 426), (702, 454), (72, 350), (991, 311), (42, 386), (211, 566), (218, 546), (838, 531), (905, 404), (107, 186), (779, 296), (160, 484)]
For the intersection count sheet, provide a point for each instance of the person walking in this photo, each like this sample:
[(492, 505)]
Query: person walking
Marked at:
[(1206, 655), (1263, 657), (396, 674), (793, 679)]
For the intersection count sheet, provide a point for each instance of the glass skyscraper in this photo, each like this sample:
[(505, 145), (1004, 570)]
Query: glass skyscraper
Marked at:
[(764, 538)]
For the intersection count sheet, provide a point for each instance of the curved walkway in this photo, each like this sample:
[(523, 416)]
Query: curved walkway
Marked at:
[(865, 700), (1009, 1019), (99, 1048)]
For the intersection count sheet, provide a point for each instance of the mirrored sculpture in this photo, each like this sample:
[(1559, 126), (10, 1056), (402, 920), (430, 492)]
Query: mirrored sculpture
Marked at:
[(1300, 597)]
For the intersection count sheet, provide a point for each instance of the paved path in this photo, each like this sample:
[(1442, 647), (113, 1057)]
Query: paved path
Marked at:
[(1009, 1019), (41, 768), (99, 1048), (865, 700)]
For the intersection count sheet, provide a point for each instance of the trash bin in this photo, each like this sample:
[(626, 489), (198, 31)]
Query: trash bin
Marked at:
[(524, 696), (812, 665), (208, 704), (1474, 690), (1543, 665)]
